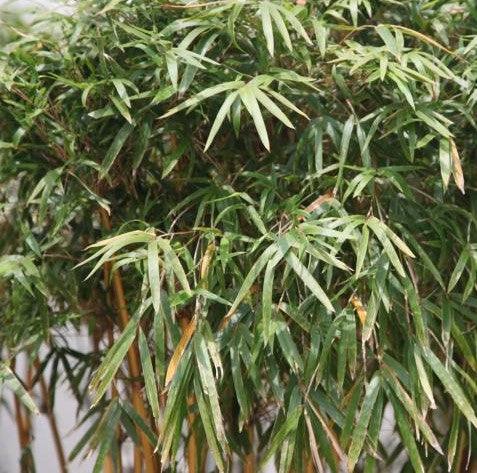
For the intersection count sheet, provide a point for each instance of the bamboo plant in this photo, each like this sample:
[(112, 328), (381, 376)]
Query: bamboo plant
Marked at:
[(263, 213)]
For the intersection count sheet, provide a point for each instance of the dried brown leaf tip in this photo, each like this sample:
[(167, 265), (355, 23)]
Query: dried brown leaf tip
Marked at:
[(318, 202), (457, 167), (359, 308), (178, 352)]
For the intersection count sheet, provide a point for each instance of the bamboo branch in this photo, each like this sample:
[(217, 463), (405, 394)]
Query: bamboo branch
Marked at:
[(24, 434), (249, 464), (134, 369), (60, 453), (309, 466)]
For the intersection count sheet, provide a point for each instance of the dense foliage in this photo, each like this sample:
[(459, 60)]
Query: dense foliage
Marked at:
[(258, 210)]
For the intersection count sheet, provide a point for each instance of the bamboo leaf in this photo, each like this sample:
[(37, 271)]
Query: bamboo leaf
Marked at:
[(8, 378), (360, 431), (222, 113), (449, 382), (153, 274), (247, 95), (308, 279), (148, 373), (115, 148)]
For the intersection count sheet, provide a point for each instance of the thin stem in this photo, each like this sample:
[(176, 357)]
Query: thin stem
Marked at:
[(24, 433), (309, 466), (60, 452), (134, 369), (249, 464)]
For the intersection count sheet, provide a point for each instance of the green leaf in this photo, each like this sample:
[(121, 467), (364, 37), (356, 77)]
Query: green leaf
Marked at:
[(148, 373), (107, 433), (449, 382), (247, 95), (360, 431), (388, 39), (408, 438), (208, 384), (153, 274), (459, 269), (272, 108), (222, 113), (252, 275), (345, 139), (174, 263), (113, 359), (267, 26), (115, 148), (445, 161), (434, 123), (122, 108), (204, 94), (423, 378), (206, 416), (140, 146), (8, 378), (362, 249), (308, 279), (290, 424), (379, 229)]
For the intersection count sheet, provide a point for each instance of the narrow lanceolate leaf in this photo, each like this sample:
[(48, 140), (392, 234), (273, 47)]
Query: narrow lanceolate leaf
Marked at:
[(141, 143), (267, 298), (222, 113), (113, 359), (423, 256), (289, 425), (445, 161), (284, 101), (308, 280), (359, 435), (453, 436), (204, 94), (249, 99), (388, 39), (252, 275), (267, 26), (379, 229), (115, 147), (362, 249), (148, 373), (207, 422), (8, 378), (459, 269), (153, 274), (173, 261), (207, 380), (272, 108), (122, 108), (423, 378), (435, 124), (107, 433), (456, 167), (412, 409), (408, 438), (450, 383), (345, 139)]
